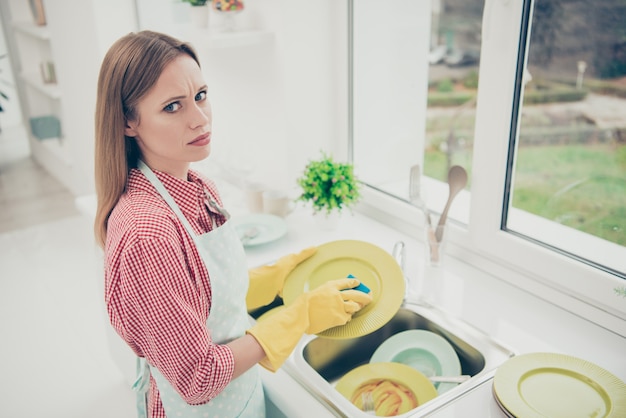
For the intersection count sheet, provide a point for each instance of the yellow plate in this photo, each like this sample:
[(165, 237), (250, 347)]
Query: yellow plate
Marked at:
[(372, 265), (558, 386), (422, 389)]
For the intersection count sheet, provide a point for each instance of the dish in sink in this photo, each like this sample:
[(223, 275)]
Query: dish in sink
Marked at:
[(319, 363), (423, 350), (395, 388)]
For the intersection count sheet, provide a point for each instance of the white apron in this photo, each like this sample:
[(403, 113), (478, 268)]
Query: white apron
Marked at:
[(224, 257)]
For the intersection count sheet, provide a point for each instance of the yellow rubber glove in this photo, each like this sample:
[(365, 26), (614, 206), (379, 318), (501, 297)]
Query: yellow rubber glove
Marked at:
[(313, 312), (266, 282)]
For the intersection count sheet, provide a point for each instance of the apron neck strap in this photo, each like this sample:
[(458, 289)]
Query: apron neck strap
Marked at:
[(152, 178)]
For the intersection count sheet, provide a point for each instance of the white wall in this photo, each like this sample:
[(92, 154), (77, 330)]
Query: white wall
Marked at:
[(390, 88), (81, 33), (275, 104), (12, 115)]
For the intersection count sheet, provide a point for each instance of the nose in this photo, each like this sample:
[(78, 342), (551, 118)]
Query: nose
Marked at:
[(200, 115)]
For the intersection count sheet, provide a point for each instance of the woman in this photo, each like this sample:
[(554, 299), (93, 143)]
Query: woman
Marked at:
[(175, 275)]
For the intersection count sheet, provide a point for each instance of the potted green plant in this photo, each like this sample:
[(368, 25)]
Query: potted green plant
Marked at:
[(196, 2), (329, 186)]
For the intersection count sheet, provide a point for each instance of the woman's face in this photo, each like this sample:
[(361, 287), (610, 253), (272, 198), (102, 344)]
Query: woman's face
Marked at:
[(173, 124)]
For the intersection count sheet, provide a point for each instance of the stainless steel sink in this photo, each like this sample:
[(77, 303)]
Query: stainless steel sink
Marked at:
[(318, 363)]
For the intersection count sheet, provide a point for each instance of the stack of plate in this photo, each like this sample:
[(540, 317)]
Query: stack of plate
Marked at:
[(557, 386), (425, 351)]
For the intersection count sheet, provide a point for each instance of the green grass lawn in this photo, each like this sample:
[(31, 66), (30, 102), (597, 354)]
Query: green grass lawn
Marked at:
[(578, 185), (581, 186)]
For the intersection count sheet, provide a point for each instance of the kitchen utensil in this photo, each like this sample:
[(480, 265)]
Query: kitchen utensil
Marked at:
[(372, 265), (450, 379), (368, 403), (457, 179)]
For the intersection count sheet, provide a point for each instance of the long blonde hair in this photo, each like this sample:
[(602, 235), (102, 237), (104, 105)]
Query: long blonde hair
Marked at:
[(129, 70)]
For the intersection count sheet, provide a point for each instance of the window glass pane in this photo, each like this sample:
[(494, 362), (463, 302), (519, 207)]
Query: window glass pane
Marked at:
[(389, 83), (452, 89), (414, 85), (569, 182)]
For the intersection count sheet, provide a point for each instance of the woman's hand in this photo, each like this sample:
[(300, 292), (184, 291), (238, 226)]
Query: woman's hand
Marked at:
[(266, 282)]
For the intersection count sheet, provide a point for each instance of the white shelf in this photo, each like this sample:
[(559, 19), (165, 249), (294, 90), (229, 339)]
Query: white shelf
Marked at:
[(30, 29), (217, 40), (34, 80)]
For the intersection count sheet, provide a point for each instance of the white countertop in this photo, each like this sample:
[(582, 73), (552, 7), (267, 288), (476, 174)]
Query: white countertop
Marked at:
[(520, 321)]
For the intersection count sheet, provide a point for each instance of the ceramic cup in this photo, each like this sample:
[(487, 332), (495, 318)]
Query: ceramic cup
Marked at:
[(277, 203), (254, 197)]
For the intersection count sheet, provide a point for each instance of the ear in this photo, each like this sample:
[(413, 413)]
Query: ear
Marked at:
[(130, 129)]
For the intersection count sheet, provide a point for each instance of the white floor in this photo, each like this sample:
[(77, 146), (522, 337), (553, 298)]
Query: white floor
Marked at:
[(54, 358)]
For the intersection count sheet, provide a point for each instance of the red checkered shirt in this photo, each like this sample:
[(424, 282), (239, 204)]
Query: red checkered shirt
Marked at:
[(157, 289)]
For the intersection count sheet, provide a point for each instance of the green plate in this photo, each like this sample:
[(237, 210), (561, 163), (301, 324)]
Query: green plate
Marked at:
[(558, 386), (372, 265), (269, 228), (423, 350)]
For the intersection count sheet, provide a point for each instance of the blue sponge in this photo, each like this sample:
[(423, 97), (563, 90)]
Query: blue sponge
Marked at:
[(361, 287)]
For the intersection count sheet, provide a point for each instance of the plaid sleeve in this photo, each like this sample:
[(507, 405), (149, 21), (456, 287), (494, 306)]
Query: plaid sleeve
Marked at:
[(164, 318)]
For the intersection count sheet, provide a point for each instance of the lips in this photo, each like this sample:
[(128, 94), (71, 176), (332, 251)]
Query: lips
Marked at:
[(201, 140)]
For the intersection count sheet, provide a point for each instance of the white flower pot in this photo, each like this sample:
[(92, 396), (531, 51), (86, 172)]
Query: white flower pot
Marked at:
[(226, 21), (327, 221), (200, 16)]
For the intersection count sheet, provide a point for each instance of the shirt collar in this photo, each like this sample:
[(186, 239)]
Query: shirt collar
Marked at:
[(188, 195)]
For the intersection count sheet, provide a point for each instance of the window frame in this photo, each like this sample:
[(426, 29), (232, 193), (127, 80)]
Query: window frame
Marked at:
[(551, 275), (569, 279)]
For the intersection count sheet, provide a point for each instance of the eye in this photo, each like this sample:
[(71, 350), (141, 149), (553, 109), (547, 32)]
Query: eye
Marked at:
[(200, 96), (172, 107)]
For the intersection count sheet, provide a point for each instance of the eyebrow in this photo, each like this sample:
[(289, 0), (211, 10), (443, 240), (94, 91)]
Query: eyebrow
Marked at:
[(176, 98), (172, 99)]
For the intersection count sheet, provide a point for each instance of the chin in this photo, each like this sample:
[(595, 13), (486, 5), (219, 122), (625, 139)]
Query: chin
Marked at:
[(201, 155)]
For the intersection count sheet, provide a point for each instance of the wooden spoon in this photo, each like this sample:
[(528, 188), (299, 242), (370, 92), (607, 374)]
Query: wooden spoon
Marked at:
[(457, 179)]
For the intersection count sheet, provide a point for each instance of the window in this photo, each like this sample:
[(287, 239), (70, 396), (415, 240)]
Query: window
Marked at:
[(570, 145), (529, 97)]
